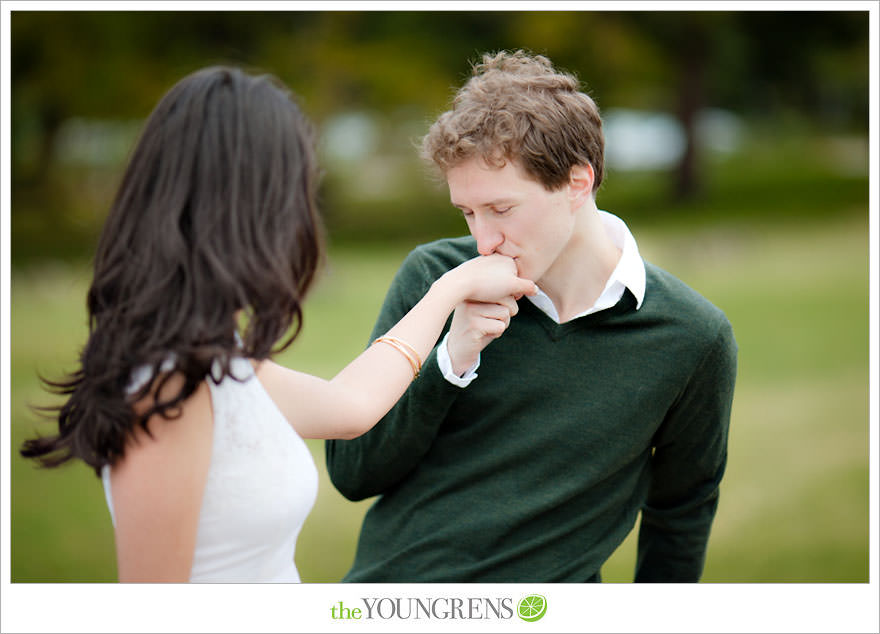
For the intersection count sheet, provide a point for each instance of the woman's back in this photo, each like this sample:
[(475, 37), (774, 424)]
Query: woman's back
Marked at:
[(260, 486)]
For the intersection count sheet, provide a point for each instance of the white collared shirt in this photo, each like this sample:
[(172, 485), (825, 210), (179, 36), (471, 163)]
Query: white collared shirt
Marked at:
[(629, 273)]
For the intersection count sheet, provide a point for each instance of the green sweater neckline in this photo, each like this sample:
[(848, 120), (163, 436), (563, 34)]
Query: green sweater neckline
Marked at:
[(558, 331)]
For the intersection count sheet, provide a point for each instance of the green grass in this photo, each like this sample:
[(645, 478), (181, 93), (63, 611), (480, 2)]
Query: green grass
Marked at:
[(794, 502)]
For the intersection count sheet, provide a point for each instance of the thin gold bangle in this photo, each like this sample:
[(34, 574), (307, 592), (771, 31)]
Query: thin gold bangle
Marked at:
[(406, 350), (397, 345), (413, 351)]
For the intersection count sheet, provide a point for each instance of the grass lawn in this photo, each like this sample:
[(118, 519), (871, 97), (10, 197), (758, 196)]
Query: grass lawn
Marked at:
[(794, 503)]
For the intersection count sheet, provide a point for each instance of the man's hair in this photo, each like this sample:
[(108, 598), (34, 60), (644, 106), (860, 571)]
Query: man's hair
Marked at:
[(517, 107)]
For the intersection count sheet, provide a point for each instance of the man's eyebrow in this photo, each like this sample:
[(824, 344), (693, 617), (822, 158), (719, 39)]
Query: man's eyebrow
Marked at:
[(492, 203), (499, 201)]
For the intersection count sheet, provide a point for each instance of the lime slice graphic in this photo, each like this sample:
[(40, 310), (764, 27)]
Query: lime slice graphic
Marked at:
[(532, 607)]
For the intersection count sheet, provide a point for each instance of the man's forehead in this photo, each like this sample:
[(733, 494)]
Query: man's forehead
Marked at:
[(474, 182)]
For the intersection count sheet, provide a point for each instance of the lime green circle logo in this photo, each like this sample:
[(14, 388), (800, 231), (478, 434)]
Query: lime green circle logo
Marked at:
[(532, 607)]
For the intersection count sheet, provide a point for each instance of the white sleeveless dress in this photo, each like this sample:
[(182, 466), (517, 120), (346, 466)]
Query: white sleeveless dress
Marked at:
[(262, 484)]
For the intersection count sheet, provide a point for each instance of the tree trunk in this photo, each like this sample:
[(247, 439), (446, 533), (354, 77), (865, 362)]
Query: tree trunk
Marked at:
[(692, 64)]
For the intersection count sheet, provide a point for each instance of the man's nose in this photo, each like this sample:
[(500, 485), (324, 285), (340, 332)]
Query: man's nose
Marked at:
[(487, 235)]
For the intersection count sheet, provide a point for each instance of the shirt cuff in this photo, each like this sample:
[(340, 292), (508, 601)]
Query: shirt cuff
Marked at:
[(445, 364)]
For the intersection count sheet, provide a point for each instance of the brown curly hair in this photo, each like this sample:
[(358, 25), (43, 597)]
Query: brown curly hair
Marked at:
[(517, 107)]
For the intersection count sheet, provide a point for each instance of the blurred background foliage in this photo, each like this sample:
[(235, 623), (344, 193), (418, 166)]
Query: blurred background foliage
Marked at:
[(82, 82), (737, 150)]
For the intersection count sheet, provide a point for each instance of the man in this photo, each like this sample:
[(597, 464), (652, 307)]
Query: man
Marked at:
[(607, 395)]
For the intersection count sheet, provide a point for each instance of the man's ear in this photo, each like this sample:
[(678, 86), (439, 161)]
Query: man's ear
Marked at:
[(580, 184)]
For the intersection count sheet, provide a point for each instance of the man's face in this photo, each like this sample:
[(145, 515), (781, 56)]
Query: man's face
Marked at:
[(511, 214)]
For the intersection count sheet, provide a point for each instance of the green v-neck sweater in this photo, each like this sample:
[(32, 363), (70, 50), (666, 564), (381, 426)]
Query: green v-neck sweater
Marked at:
[(538, 470)]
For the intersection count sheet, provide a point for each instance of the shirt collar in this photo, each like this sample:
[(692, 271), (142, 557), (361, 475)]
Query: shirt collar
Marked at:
[(629, 272)]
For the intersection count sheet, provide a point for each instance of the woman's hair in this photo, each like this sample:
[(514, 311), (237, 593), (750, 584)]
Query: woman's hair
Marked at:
[(215, 223), (517, 107)]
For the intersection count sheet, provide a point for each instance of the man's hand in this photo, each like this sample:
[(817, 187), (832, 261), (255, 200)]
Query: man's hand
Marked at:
[(474, 326)]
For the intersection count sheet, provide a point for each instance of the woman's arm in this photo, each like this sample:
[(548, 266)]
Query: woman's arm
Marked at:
[(356, 398), (372, 463), (157, 492)]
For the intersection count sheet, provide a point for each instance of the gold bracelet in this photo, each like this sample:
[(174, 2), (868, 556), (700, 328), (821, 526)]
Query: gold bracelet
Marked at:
[(406, 350), (413, 351)]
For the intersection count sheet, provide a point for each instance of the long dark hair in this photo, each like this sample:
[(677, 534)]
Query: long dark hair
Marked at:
[(214, 225)]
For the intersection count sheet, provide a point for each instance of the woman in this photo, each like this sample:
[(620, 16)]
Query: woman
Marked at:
[(209, 248)]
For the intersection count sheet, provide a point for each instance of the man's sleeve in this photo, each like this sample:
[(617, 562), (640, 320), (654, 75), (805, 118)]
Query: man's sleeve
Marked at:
[(690, 454), (372, 463)]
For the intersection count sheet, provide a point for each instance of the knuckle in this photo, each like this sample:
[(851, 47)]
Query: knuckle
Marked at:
[(496, 327)]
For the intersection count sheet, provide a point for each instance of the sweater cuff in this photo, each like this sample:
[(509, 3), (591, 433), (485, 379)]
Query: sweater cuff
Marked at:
[(445, 364)]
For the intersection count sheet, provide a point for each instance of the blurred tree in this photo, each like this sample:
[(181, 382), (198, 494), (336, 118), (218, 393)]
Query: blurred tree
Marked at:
[(684, 40), (759, 62), (110, 65), (812, 61), (114, 64)]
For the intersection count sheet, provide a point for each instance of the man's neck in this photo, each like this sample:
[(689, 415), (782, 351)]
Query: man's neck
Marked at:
[(580, 273)]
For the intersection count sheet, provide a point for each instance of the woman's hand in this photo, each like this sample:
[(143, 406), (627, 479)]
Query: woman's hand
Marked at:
[(490, 278)]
